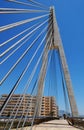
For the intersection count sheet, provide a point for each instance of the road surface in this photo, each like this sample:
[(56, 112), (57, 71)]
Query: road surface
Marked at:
[(52, 125)]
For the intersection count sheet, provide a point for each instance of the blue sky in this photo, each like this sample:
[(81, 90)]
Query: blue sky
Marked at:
[(70, 18)]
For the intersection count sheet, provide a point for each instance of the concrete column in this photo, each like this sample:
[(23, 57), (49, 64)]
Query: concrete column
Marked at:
[(57, 42), (42, 77)]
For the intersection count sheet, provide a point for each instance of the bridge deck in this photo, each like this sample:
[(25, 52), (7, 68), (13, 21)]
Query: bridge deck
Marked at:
[(52, 125)]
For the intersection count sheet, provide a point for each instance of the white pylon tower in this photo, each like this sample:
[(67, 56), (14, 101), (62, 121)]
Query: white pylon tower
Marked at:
[(56, 43)]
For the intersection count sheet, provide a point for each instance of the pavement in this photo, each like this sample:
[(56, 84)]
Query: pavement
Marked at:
[(52, 125)]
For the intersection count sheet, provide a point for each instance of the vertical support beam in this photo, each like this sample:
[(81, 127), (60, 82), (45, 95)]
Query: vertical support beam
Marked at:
[(58, 42), (41, 82), (43, 69)]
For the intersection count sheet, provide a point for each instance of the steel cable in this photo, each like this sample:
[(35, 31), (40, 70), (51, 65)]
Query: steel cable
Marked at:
[(27, 104), (18, 61), (37, 3), (14, 10), (19, 79), (6, 58), (27, 4), (20, 97), (4, 43), (16, 43), (9, 26), (37, 101), (63, 84), (25, 90)]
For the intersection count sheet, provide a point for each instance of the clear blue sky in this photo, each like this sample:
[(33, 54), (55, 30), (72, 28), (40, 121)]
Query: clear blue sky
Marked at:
[(70, 18)]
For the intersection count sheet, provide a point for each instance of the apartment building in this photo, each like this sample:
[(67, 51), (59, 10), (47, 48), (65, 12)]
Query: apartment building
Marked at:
[(25, 105)]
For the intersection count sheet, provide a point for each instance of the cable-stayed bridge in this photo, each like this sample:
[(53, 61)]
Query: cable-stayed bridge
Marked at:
[(32, 63)]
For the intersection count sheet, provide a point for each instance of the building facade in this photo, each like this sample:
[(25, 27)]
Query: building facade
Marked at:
[(27, 105)]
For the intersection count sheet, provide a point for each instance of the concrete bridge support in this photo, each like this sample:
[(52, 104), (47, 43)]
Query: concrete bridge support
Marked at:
[(56, 44)]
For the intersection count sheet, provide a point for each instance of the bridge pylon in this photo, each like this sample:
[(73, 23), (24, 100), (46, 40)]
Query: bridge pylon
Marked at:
[(56, 43)]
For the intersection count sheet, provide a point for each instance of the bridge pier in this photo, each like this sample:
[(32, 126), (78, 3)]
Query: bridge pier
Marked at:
[(56, 44)]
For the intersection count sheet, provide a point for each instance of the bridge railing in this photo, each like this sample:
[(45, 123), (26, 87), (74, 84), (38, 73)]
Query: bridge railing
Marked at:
[(76, 121)]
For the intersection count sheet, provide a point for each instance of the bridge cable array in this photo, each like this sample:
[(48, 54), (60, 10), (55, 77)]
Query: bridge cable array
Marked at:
[(22, 98), (26, 46)]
